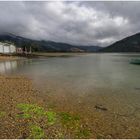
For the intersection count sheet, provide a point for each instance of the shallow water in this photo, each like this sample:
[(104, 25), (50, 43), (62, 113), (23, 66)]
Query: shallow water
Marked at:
[(78, 84), (81, 72)]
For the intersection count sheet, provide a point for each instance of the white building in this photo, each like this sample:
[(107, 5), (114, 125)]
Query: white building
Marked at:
[(7, 48)]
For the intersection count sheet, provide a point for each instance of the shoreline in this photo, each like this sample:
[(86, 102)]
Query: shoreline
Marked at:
[(5, 58)]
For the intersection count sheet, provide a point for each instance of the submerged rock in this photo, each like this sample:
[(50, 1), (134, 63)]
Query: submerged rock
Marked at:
[(100, 107), (137, 88)]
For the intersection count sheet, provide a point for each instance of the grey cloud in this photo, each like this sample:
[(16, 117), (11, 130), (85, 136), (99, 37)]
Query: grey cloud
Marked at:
[(80, 23)]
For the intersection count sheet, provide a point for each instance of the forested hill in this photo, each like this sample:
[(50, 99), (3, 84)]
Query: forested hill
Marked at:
[(128, 44), (46, 46)]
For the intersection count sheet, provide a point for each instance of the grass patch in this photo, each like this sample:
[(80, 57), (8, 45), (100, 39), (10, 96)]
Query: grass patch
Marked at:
[(37, 115), (36, 132), (34, 111), (2, 114), (51, 116), (30, 111), (66, 117)]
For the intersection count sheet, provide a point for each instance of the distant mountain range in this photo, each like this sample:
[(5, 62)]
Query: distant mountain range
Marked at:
[(46, 46), (128, 44)]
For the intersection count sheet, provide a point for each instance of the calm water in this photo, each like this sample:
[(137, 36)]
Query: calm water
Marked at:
[(81, 72), (78, 84)]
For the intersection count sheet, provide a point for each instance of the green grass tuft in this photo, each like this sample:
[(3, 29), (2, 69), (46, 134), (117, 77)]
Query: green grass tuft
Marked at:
[(51, 117), (36, 132), (31, 110)]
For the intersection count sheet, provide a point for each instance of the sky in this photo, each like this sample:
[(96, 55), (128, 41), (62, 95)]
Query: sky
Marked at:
[(73, 22)]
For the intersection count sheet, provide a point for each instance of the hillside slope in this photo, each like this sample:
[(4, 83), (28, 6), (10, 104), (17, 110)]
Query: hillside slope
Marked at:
[(128, 44)]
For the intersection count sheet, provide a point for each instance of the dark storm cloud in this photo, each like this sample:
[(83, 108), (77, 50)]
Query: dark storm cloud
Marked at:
[(81, 23)]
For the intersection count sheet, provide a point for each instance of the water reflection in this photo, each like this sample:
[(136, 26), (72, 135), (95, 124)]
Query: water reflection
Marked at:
[(13, 66), (7, 66)]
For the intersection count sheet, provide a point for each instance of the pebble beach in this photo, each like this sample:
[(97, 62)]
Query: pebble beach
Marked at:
[(24, 114), (15, 90)]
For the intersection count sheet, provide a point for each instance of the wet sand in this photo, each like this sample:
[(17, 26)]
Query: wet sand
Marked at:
[(98, 121)]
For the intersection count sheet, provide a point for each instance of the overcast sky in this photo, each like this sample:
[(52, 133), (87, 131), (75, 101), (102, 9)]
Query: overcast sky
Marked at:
[(79, 23)]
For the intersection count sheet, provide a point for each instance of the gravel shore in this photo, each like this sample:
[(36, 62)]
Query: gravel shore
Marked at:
[(25, 114), (13, 91)]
